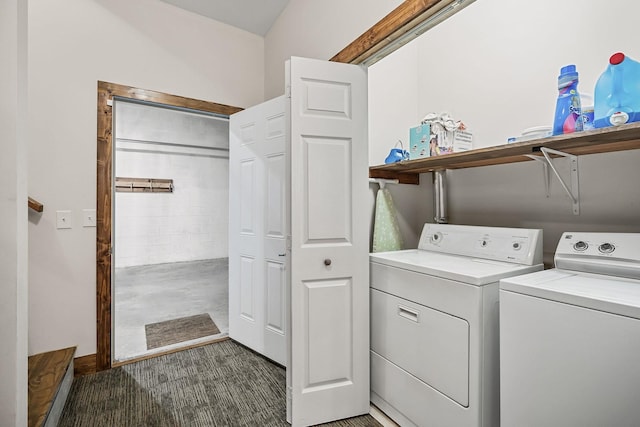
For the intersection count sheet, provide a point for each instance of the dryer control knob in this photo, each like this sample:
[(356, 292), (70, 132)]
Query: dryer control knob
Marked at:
[(580, 246), (606, 248)]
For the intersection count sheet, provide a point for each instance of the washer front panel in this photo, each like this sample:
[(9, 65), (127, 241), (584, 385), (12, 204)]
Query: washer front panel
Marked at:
[(563, 365)]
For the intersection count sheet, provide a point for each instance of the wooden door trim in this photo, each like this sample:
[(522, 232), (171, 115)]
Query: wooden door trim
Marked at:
[(106, 92), (396, 24)]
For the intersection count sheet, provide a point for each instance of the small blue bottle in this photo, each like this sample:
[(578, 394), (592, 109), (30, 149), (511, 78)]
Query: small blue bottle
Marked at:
[(568, 112)]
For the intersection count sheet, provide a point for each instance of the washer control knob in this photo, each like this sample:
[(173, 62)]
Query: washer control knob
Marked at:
[(517, 246), (606, 248), (580, 246), (484, 243), (436, 237)]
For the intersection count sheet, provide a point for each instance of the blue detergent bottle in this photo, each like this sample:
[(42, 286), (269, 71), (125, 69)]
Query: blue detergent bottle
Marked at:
[(568, 111), (617, 93)]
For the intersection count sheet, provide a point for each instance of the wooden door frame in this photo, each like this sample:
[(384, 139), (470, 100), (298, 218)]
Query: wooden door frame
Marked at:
[(106, 92), (400, 21)]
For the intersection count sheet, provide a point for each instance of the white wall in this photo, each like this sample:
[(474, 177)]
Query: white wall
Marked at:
[(320, 30), (495, 66), (147, 44), (13, 213), (393, 103), (316, 29), (192, 222)]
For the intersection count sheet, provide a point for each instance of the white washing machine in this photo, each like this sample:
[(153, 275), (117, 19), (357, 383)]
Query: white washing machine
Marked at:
[(434, 323), (570, 337)]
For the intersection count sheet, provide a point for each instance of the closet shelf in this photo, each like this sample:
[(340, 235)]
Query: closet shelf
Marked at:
[(620, 138)]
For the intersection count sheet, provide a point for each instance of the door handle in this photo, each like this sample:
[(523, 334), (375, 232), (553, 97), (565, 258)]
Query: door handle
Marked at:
[(327, 262)]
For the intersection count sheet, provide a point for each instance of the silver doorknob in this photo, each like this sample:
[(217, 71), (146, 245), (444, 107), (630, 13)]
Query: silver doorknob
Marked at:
[(327, 262)]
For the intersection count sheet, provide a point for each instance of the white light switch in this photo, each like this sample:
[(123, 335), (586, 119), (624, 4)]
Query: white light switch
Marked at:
[(88, 217), (63, 219)]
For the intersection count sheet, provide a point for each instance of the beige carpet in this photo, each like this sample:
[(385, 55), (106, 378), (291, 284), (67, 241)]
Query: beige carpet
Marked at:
[(175, 331)]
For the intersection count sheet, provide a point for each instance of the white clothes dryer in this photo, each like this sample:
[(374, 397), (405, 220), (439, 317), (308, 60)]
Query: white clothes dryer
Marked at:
[(434, 323), (570, 337)]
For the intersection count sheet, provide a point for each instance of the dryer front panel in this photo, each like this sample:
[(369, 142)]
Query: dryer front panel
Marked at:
[(429, 344)]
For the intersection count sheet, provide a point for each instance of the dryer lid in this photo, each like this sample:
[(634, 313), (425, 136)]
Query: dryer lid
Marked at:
[(473, 271)]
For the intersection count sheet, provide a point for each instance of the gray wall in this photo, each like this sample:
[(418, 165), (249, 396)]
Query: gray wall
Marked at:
[(191, 223)]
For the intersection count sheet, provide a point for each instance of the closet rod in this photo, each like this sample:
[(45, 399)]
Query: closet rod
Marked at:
[(170, 144), (216, 116)]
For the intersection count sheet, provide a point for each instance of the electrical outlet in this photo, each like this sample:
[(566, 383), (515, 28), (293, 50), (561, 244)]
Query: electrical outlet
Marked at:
[(88, 217), (64, 219)]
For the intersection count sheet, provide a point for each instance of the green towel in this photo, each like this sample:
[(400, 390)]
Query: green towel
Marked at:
[(386, 232)]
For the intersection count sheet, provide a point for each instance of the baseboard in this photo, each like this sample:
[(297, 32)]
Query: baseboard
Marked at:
[(381, 417), (84, 365)]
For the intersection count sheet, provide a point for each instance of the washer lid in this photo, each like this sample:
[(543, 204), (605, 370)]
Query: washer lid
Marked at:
[(595, 291), (474, 271)]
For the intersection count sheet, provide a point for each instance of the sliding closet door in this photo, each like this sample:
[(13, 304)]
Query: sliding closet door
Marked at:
[(257, 229), (329, 366)]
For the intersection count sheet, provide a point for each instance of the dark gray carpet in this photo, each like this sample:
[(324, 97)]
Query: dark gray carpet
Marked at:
[(221, 384), (179, 330)]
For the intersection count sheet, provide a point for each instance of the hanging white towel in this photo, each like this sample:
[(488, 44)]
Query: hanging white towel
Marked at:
[(386, 231)]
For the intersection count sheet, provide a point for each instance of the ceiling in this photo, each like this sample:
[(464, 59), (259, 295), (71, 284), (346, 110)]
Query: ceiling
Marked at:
[(255, 16)]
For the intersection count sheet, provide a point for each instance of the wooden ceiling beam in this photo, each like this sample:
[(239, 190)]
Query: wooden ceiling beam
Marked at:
[(395, 25)]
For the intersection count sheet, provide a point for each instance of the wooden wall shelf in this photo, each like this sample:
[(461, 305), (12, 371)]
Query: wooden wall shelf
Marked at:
[(625, 137)]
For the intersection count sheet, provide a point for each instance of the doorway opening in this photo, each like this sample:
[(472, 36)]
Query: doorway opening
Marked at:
[(106, 271), (170, 228)]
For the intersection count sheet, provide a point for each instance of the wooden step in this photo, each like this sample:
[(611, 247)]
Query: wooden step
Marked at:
[(50, 377)]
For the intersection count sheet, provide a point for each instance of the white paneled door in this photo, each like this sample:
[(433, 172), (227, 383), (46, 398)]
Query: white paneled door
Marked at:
[(299, 238), (328, 370), (258, 224)]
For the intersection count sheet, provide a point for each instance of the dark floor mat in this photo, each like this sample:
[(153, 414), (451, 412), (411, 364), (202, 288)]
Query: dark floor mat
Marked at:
[(175, 331)]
